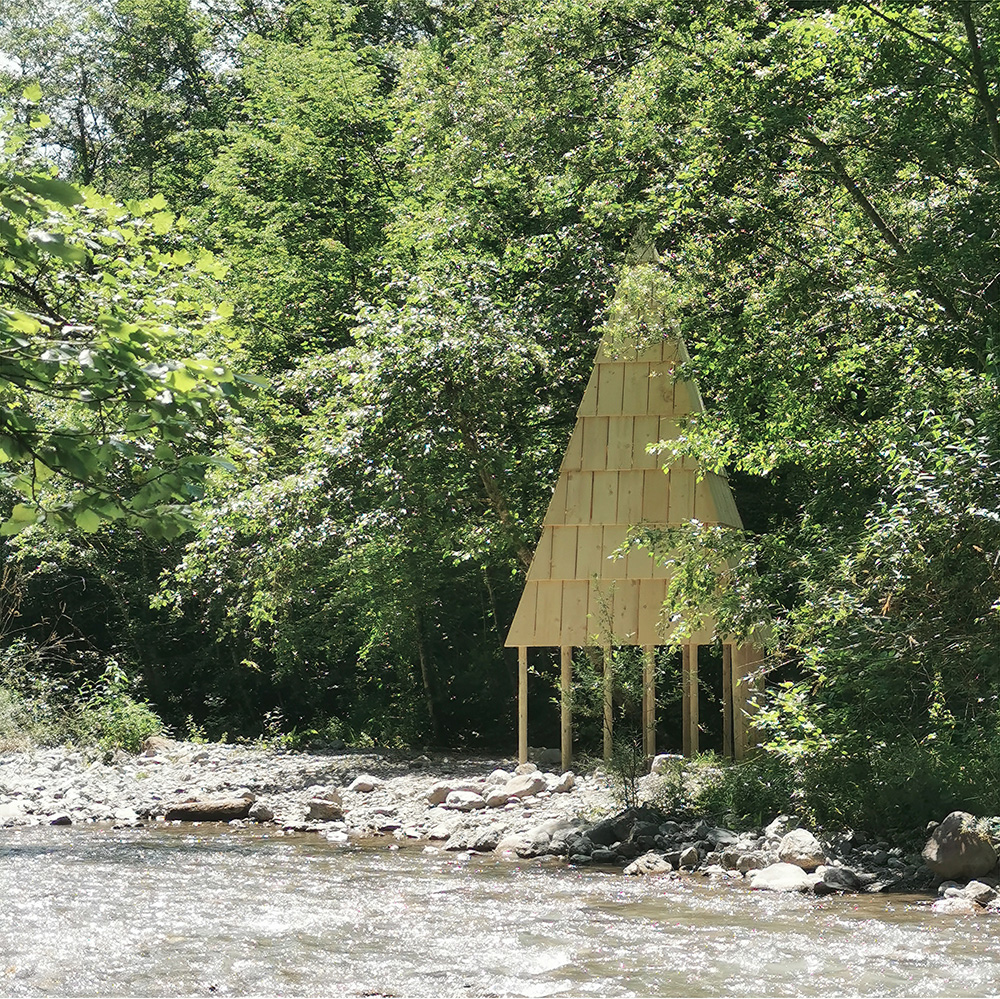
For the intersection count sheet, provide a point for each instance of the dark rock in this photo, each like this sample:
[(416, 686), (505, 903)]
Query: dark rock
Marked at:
[(645, 830), (260, 812), (721, 838), (580, 859), (669, 829), (837, 879), (604, 856), (577, 843)]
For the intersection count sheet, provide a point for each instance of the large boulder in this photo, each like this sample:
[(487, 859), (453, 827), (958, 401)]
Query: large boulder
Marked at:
[(324, 804), (801, 848), (960, 849), (464, 801), (780, 877), (560, 783), (835, 879), (974, 891), (524, 785), (209, 810)]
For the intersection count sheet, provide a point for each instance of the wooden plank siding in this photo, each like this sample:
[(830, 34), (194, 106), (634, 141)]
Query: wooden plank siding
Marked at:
[(577, 592)]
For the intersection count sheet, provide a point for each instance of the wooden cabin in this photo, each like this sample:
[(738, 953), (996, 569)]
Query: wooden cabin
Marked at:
[(577, 594)]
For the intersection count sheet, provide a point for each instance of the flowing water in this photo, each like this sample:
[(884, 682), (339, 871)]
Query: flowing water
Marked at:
[(202, 911)]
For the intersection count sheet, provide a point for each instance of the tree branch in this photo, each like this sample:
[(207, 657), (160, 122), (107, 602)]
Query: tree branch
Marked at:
[(982, 84), (872, 214)]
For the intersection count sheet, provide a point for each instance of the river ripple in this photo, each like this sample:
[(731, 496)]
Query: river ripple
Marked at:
[(172, 911)]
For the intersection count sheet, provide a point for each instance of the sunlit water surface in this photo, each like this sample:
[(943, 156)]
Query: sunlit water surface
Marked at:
[(203, 911)]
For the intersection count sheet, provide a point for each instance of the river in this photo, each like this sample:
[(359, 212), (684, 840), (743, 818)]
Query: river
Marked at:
[(205, 911)]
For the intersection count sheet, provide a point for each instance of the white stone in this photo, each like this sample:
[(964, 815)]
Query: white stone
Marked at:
[(956, 906), (665, 763), (365, 783), (438, 792), (801, 848), (780, 877), (524, 785), (560, 784), (649, 863), (464, 801)]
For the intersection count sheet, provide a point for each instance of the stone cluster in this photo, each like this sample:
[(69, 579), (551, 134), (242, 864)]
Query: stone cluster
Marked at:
[(477, 804)]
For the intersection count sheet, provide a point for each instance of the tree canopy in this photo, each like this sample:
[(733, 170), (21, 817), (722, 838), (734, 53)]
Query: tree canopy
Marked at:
[(412, 218)]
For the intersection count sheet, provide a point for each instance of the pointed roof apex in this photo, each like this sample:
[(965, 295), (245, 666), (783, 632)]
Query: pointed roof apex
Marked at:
[(642, 251)]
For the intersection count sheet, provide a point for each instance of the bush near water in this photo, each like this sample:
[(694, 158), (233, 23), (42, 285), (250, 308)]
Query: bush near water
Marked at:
[(298, 310)]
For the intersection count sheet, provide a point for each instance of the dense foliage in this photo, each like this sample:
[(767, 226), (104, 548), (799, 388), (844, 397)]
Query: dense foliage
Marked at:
[(412, 219)]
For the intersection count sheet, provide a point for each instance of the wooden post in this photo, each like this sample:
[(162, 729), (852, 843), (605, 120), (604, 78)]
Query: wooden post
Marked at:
[(522, 704), (608, 702), (745, 657), (566, 706), (649, 700), (689, 688), (728, 748)]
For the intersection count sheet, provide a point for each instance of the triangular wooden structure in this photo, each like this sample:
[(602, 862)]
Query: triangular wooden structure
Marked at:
[(577, 592)]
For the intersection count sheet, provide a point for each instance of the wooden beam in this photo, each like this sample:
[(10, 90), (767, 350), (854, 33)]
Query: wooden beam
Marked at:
[(728, 749), (689, 689), (745, 658), (608, 703), (522, 704), (649, 700), (566, 706)]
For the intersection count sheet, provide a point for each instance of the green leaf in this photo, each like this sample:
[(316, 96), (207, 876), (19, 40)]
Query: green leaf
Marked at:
[(87, 520), (52, 189), (55, 243), (21, 516), (32, 92), (162, 222)]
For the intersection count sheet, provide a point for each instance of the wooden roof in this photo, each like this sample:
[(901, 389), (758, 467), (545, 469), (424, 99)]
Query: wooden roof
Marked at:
[(576, 593)]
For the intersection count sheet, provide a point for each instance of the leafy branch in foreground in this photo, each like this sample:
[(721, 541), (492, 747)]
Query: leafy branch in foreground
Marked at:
[(107, 404)]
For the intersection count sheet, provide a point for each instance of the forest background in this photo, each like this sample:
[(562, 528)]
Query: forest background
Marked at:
[(299, 299)]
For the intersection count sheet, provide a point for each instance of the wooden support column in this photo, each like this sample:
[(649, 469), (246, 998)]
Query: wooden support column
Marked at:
[(522, 704), (689, 689), (608, 702), (745, 659), (566, 706), (728, 748), (649, 700)]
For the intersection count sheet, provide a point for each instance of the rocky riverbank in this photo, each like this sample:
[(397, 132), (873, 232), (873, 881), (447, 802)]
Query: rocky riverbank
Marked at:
[(482, 804)]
